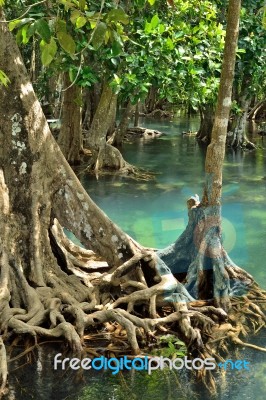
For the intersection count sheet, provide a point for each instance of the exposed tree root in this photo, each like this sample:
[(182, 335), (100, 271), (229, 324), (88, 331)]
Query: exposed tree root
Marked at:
[(56, 310), (110, 161), (81, 291)]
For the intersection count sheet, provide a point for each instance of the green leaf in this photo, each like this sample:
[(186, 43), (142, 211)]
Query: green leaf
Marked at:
[(151, 2), (43, 29), (116, 49), (148, 27), (18, 23), (82, 4), (117, 79), (74, 16), (4, 80), (48, 51), (169, 43), (161, 28), (61, 26), (66, 42), (117, 15), (24, 35), (81, 21), (2, 2), (264, 18), (171, 347), (99, 35), (67, 4), (180, 353), (155, 21), (12, 25)]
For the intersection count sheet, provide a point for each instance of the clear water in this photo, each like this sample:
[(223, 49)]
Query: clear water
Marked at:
[(154, 213)]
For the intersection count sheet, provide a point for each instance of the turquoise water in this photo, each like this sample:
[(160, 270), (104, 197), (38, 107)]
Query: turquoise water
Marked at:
[(155, 213)]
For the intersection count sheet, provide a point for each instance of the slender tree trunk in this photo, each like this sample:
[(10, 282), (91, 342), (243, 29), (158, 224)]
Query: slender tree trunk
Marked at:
[(151, 100), (104, 155), (216, 149), (136, 116), (70, 136), (211, 263), (123, 125), (237, 137), (206, 123)]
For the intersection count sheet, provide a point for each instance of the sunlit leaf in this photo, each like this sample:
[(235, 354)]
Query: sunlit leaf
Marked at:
[(24, 35), (264, 18), (4, 80), (81, 21), (48, 51), (169, 43), (155, 21), (12, 25), (74, 16), (19, 22)]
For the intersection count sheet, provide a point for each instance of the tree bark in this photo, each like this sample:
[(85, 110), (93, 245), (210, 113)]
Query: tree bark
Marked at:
[(206, 123), (70, 136), (136, 116), (237, 137), (257, 109), (151, 100), (216, 149), (123, 125), (212, 260), (105, 157)]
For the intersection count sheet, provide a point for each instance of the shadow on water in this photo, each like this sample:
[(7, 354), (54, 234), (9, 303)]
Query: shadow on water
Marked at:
[(155, 213)]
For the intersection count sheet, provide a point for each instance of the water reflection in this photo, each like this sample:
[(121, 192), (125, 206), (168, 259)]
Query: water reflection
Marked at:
[(35, 378)]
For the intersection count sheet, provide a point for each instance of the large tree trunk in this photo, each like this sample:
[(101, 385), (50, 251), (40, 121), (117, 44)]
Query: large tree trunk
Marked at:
[(70, 136), (43, 284), (50, 287)]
